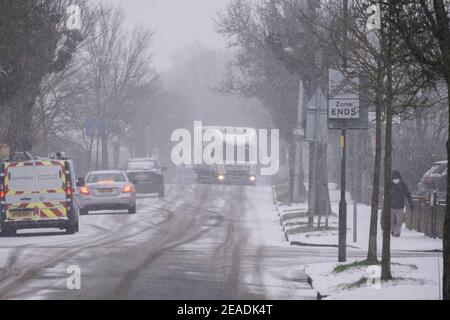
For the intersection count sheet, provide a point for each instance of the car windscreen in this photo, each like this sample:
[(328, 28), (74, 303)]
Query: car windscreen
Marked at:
[(142, 165), (105, 177), (438, 168)]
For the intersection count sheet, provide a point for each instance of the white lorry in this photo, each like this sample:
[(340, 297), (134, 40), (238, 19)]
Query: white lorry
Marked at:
[(236, 165)]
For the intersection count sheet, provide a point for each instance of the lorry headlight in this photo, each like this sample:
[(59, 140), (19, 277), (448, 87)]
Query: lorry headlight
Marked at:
[(221, 177)]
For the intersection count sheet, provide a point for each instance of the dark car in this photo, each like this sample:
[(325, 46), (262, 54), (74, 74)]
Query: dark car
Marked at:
[(146, 175), (435, 179)]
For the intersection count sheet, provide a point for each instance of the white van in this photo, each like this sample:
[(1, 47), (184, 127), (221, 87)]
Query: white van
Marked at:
[(38, 194)]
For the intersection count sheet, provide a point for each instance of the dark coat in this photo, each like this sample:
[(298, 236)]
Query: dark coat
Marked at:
[(399, 192)]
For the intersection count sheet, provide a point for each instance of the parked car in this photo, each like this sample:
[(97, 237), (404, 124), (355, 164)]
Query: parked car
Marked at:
[(106, 190), (147, 175), (435, 179)]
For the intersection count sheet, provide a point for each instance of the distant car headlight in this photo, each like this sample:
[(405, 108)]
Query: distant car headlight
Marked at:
[(252, 178), (221, 177)]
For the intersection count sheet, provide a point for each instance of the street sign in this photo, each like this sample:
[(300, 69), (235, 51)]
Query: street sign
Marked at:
[(4, 151), (299, 132), (343, 109), (316, 118), (93, 126), (347, 109)]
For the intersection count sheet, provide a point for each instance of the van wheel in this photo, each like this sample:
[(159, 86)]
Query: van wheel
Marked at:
[(75, 226), (132, 210), (9, 232), (71, 229)]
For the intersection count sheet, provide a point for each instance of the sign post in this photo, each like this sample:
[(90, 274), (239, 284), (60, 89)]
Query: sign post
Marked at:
[(345, 112)]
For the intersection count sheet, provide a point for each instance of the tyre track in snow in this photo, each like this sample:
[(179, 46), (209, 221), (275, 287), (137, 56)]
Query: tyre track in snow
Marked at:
[(16, 276), (186, 228), (200, 249), (219, 274)]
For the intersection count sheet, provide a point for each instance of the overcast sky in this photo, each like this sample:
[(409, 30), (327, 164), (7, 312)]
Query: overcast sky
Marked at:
[(176, 22)]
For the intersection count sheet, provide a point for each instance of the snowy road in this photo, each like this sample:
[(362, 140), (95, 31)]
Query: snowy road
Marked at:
[(201, 242)]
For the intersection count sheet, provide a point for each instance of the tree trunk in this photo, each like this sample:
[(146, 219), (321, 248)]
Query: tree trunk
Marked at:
[(372, 251), (386, 252), (20, 135), (321, 204), (446, 237), (105, 155), (312, 183), (291, 150), (116, 153), (299, 186)]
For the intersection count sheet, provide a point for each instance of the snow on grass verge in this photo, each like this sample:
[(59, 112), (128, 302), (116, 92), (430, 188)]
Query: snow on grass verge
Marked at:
[(294, 221), (413, 278), (416, 269)]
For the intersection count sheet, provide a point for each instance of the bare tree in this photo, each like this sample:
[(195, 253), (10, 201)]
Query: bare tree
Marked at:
[(277, 30), (118, 74), (424, 27), (30, 34), (387, 83)]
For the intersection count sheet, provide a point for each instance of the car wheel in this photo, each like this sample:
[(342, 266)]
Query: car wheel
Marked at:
[(161, 194), (132, 210), (84, 212)]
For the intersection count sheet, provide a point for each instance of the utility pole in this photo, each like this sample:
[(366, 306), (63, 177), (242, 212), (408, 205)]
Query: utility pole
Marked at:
[(356, 187), (300, 132), (342, 252)]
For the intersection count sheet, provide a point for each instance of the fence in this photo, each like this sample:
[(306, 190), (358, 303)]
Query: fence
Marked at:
[(421, 219)]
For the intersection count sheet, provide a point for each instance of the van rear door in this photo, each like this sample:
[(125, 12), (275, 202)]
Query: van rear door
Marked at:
[(19, 191), (50, 194), (35, 191)]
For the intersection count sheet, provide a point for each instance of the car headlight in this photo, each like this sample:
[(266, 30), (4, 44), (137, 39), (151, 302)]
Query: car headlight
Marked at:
[(252, 178), (221, 177)]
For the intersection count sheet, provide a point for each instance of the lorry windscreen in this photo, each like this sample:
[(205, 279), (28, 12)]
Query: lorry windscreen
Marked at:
[(141, 165)]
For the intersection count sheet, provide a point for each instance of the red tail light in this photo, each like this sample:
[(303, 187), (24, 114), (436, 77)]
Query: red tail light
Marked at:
[(84, 190), (69, 190), (127, 189), (2, 194)]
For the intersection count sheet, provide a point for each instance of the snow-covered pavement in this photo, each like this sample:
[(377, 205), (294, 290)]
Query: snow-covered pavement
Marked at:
[(416, 259), (410, 240)]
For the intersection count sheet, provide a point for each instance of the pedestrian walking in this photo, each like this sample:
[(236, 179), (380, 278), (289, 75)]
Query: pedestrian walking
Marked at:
[(399, 193)]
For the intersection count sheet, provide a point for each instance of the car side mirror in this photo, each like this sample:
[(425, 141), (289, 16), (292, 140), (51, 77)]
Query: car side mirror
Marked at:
[(163, 168), (81, 182)]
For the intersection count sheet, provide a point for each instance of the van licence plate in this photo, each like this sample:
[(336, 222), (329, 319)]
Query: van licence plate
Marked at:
[(21, 213)]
